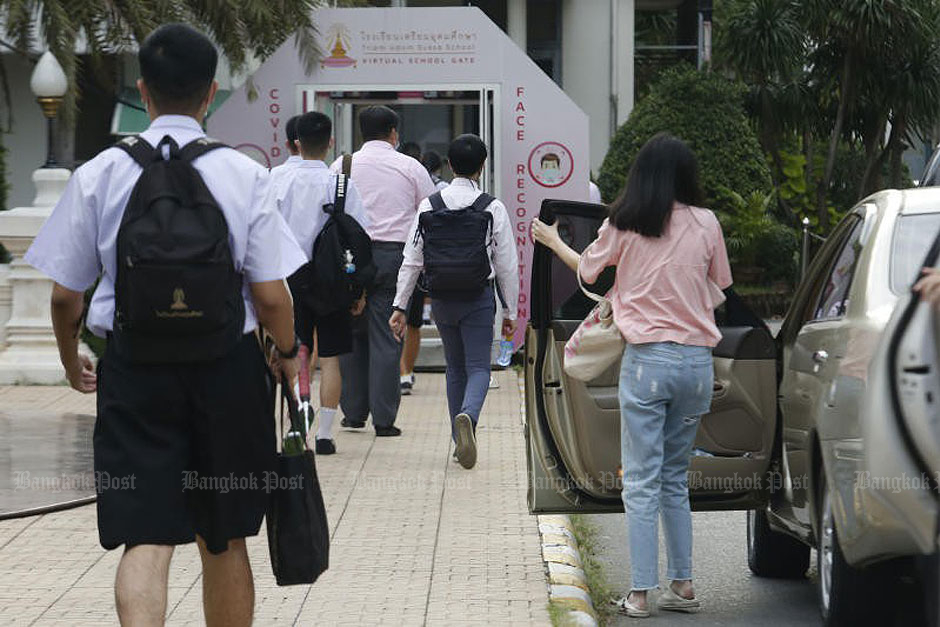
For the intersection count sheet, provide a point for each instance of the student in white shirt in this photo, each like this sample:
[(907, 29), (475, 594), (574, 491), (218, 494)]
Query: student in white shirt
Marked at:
[(280, 172), (162, 424), (463, 311), (305, 190)]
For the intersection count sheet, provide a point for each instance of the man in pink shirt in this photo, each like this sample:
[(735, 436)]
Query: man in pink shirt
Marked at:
[(391, 185)]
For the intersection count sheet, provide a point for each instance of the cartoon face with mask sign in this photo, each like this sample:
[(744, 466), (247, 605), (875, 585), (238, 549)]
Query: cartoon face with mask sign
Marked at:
[(551, 168), (551, 164)]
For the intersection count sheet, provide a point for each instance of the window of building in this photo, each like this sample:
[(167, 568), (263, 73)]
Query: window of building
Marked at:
[(664, 38), (543, 35)]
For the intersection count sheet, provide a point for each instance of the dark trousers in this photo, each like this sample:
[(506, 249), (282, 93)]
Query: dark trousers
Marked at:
[(466, 329), (370, 372)]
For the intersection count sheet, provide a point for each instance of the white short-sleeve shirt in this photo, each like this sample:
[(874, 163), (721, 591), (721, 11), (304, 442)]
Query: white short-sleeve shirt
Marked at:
[(77, 244), (301, 195)]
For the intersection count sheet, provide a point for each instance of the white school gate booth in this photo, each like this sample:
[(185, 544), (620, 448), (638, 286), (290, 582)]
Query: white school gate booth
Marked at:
[(527, 121)]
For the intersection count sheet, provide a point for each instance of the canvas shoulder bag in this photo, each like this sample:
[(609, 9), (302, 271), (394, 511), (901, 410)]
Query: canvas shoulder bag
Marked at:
[(596, 343)]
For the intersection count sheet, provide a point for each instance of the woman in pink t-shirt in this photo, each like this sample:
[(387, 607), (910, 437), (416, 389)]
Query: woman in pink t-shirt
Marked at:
[(671, 263)]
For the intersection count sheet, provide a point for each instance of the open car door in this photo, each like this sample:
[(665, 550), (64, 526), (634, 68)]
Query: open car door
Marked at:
[(573, 427)]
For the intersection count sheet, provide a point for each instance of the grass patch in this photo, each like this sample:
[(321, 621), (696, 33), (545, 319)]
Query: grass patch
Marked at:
[(601, 592), (558, 614)]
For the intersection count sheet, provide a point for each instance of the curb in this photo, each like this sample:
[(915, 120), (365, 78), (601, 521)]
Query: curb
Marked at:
[(568, 586), (567, 583)]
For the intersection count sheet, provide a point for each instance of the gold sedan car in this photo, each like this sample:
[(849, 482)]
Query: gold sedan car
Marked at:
[(784, 438)]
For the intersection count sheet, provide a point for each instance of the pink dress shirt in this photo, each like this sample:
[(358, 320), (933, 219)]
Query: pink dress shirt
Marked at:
[(391, 185), (661, 292)]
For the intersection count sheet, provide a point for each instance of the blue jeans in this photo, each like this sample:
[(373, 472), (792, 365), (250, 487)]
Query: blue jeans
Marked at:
[(466, 328), (664, 390)]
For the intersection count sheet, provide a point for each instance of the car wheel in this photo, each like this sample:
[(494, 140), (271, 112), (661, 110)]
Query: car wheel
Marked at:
[(841, 586), (771, 553)]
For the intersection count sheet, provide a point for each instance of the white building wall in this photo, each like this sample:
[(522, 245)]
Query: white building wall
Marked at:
[(585, 67)]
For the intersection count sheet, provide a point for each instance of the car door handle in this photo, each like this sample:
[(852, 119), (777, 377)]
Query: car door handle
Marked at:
[(820, 357), (719, 389)]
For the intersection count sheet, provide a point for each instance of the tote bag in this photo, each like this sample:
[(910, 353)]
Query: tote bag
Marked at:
[(298, 534), (596, 343)]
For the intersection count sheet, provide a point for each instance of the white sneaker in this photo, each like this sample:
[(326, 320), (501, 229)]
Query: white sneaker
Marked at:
[(671, 601)]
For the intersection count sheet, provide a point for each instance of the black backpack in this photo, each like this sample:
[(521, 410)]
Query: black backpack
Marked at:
[(456, 261), (178, 297), (340, 265)]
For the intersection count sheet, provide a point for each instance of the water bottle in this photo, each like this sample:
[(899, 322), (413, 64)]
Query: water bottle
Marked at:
[(505, 352), (350, 264)]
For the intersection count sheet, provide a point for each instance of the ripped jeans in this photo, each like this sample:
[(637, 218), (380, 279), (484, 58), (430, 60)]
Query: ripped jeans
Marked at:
[(665, 388)]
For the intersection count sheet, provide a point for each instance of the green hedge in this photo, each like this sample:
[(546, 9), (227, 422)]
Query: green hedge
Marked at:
[(706, 110)]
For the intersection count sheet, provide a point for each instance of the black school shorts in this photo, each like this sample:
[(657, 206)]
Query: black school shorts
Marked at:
[(415, 313), (334, 331), (184, 449)]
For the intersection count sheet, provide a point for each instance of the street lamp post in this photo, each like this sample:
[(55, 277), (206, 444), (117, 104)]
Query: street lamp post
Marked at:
[(28, 352), (49, 84)]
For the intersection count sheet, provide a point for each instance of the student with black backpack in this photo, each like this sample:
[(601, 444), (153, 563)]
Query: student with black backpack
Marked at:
[(191, 255), (462, 239), (326, 215)]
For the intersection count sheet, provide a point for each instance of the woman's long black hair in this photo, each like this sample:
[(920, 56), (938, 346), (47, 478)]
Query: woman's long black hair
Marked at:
[(664, 171)]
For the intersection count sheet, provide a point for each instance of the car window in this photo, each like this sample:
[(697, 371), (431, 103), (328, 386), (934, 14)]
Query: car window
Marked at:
[(834, 298), (568, 302), (912, 238)]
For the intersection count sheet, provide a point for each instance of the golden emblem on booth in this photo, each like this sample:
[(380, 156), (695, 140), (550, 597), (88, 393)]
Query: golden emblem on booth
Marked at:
[(338, 36)]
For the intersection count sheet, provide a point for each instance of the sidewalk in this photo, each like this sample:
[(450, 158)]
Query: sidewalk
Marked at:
[(417, 540)]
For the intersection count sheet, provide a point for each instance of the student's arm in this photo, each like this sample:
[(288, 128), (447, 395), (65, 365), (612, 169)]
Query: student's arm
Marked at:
[(505, 262), (67, 306), (65, 249), (271, 255), (275, 310)]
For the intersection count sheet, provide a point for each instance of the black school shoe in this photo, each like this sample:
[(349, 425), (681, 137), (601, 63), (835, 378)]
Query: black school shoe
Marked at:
[(387, 432), (325, 446), (349, 424)]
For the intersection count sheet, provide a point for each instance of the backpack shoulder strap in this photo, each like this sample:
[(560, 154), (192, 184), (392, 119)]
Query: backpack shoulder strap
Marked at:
[(482, 202), (138, 148), (198, 147), (437, 201), (339, 199)]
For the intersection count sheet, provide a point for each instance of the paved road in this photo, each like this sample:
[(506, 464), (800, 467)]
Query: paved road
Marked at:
[(731, 596)]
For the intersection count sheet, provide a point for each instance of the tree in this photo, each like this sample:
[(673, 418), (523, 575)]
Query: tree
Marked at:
[(763, 42), (705, 110), (856, 48), (835, 76), (242, 29)]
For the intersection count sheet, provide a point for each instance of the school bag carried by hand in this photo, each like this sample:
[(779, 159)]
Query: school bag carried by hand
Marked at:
[(178, 297), (298, 532), (596, 343), (341, 266), (456, 260)]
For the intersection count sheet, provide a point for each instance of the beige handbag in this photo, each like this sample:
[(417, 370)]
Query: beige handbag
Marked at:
[(596, 343)]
